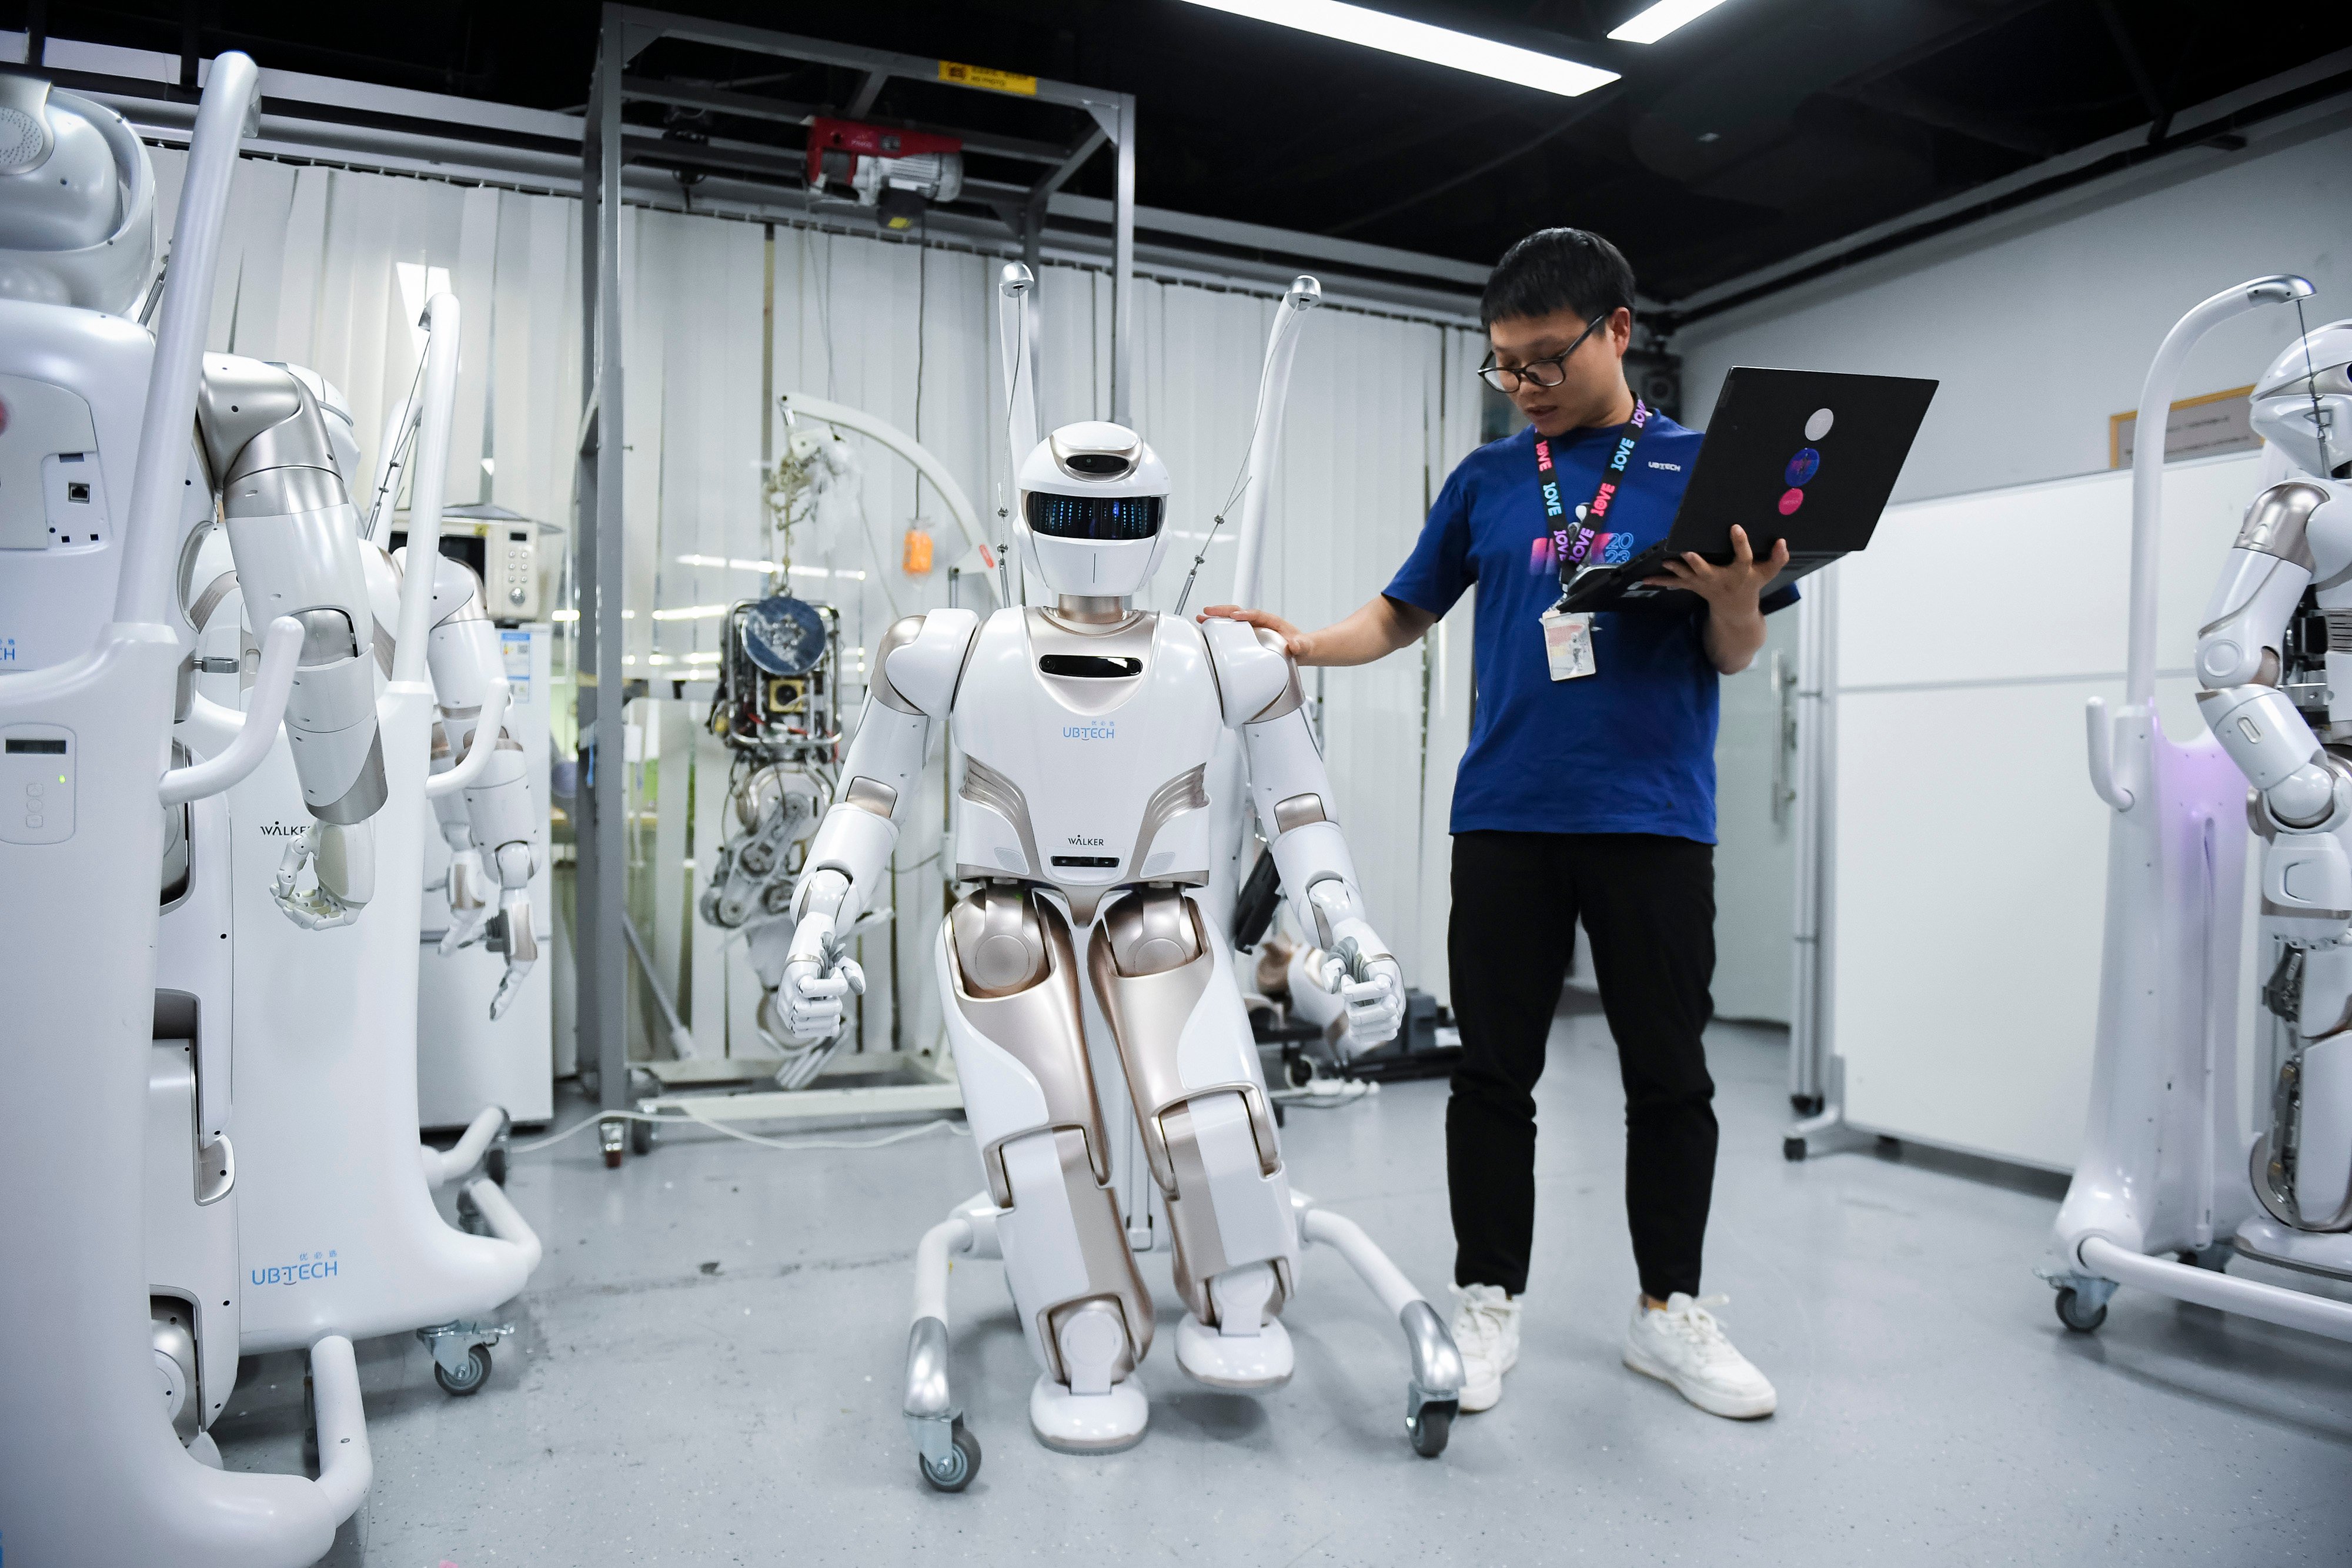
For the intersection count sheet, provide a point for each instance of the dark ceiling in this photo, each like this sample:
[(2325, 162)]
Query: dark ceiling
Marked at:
[(1756, 132)]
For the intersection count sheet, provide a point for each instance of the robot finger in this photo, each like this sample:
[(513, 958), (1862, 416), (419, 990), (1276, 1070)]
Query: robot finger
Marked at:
[(854, 974)]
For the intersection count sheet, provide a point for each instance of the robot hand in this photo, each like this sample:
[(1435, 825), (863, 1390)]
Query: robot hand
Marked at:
[(468, 908), (511, 933), (342, 859), (1359, 972), (818, 974)]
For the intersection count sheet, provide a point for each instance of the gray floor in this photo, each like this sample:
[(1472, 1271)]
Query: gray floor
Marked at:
[(705, 1365)]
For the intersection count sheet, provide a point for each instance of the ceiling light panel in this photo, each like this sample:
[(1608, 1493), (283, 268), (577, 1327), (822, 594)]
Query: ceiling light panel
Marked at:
[(1421, 41), (1661, 19)]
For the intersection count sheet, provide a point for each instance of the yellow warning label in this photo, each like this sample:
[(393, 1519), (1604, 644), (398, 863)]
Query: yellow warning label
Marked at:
[(982, 75)]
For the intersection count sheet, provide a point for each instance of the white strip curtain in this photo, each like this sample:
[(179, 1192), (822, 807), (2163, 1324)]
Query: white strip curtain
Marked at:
[(327, 268)]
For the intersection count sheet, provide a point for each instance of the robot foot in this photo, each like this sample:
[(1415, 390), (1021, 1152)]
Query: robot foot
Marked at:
[(1087, 1423), (1261, 1360), (1250, 1349)]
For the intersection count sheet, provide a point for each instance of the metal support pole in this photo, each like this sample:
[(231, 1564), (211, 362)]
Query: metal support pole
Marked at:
[(1123, 272), (600, 958)]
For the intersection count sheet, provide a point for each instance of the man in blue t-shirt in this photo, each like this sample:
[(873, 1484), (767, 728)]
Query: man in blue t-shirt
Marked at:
[(1588, 791)]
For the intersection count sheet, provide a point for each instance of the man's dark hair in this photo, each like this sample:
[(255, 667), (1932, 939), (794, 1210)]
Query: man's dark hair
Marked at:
[(1557, 270)]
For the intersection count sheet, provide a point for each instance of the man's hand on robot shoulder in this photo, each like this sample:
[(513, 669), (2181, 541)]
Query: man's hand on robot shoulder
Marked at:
[(819, 976), (1293, 641)]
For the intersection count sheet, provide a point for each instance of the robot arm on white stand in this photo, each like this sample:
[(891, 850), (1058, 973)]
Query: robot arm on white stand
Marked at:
[(290, 527), (495, 831), (914, 672), (1291, 790)]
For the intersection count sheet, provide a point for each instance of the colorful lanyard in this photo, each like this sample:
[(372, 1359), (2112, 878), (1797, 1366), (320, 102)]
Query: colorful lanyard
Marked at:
[(1572, 540)]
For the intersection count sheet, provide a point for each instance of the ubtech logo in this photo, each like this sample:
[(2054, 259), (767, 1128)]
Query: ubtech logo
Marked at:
[(1097, 729), (308, 1266)]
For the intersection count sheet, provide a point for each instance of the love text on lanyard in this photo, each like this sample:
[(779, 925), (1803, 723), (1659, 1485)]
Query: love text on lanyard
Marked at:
[(1571, 540)]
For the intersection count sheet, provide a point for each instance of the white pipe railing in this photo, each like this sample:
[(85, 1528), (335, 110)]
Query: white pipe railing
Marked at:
[(438, 401), (470, 767), (1266, 435), (959, 504), (150, 545), (281, 649), (2148, 458), (1371, 1265), (505, 1222), (346, 1465), (480, 1133), (2209, 1288)]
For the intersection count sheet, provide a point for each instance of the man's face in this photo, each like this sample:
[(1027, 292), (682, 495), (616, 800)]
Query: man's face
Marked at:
[(1592, 388)]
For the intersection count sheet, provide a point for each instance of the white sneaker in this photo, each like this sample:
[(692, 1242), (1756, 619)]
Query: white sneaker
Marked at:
[(1683, 1346), (1487, 1332)]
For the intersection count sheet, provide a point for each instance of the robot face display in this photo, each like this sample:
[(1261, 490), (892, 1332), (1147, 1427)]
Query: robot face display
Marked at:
[(2304, 401), (77, 201), (1093, 497)]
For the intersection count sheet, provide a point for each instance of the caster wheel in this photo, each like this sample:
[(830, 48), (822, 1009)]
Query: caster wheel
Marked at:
[(612, 1159), (961, 1464), (1430, 1428), (1806, 1104), (1793, 1149), (1299, 1070), (2071, 1313), (641, 1137), (476, 1373), (1279, 1119), (494, 1163)]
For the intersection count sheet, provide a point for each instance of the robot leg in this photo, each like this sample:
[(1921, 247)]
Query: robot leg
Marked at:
[(1166, 984), (2302, 1165), (1010, 987)]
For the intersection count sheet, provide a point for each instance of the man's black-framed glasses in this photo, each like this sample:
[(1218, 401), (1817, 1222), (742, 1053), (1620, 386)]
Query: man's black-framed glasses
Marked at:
[(1544, 373)]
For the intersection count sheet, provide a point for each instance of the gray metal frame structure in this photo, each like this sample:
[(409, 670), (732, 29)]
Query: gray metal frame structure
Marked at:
[(599, 940)]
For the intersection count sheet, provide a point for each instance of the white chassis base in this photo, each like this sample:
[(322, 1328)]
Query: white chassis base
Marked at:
[(1097, 1424)]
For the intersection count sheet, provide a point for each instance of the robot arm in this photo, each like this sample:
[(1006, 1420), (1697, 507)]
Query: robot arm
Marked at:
[(267, 443), (914, 672), (1292, 792), (463, 653), (2291, 532)]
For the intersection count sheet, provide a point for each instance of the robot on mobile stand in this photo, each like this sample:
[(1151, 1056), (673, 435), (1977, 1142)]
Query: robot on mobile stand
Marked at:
[(1089, 732), (2275, 660), (2166, 1172)]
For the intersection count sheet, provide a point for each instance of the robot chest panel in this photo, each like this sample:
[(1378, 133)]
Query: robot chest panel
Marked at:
[(1086, 755)]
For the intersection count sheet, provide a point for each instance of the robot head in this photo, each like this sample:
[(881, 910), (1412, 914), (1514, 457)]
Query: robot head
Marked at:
[(77, 201), (2304, 401), (1092, 500)]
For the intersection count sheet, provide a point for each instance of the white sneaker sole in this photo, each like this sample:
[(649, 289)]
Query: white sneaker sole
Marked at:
[(1734, 1406), (1483, 1393)]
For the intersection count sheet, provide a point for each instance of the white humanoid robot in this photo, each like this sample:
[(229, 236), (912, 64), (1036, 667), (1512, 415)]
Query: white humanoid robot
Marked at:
[(2274, 656), (1087, 731), (2167, 1188)]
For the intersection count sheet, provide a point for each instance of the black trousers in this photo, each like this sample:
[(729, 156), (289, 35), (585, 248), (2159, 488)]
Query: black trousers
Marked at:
[(1648, 904)]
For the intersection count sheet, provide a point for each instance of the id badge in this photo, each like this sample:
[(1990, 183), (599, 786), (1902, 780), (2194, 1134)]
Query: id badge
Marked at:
[(1568, 644)]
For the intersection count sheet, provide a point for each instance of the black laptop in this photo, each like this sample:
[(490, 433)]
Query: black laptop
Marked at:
[(1806, 456)]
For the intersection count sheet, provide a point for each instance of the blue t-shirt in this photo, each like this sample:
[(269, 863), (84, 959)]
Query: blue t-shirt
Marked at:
[(1630, 749)]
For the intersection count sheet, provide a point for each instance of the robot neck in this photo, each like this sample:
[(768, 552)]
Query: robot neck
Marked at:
[(1083, 611)]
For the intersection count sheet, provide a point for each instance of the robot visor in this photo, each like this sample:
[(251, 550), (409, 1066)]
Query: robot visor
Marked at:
[(1101, 518)]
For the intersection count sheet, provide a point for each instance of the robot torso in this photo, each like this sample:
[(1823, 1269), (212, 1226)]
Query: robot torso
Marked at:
[(1086, 753)]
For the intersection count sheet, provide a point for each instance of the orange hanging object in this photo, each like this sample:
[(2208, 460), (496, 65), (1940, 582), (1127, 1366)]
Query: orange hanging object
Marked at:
[(918, 561)]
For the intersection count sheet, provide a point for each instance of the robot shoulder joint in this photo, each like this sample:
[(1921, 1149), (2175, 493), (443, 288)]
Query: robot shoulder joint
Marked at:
[(921, 659), (1257, 680)]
